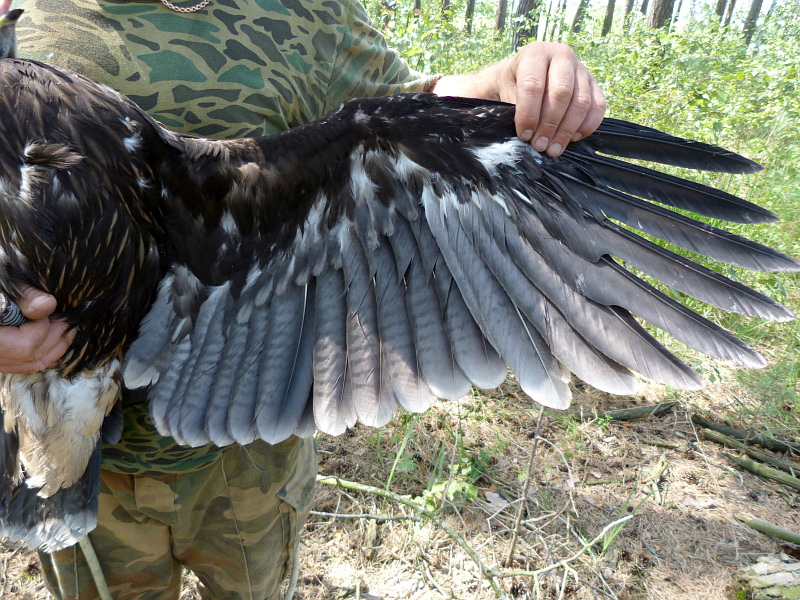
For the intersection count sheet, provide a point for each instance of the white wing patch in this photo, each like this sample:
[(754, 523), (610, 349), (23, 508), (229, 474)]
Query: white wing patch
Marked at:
[(132, 143), (228, 224), (507, 152), (30, 176)]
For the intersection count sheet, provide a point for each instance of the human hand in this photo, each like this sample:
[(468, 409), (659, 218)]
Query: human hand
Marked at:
[(558, 100), (40, 342)]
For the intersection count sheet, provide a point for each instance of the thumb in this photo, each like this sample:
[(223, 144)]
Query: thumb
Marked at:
[(35, 304)]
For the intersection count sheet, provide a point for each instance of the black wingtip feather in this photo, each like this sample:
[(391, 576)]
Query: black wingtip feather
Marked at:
[(630, 140), (666, 189)]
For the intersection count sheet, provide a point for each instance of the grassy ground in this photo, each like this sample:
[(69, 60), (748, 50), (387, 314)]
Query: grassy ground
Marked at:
[(681, 542)]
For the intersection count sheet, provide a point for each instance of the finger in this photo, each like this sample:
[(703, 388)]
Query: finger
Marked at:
[(20, 344), (61, 339), (528, 92), (595, 115), (35, 304), (574, 116), (557, 98), (34, 345)]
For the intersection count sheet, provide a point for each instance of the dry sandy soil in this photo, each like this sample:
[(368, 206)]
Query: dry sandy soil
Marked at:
[(681, 542)]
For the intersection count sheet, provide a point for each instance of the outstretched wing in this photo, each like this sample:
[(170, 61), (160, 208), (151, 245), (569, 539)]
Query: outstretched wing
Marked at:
[(408, 247)]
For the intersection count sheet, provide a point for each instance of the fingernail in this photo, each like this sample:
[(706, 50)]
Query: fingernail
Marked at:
[(526, 135), (554, 150), (35, 303), (541, 144)]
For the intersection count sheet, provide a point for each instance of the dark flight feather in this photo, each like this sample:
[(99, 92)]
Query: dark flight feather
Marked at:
[(679, 229), (668, 189), (630, 140), (398, 250)]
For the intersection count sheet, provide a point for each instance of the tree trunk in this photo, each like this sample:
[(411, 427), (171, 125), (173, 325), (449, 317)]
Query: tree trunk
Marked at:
[(643, 9), (417, 9), (771, 8), (444, 13), (385, 17), (761, 31), (660, 13), (676, 13), (500, 16), (469, 14), (579, 16), (750, 21), (628, 8), (628, 11), (528, 13), (609, 18), (720, 8), (729, 12), (546, 25), (559, 20)]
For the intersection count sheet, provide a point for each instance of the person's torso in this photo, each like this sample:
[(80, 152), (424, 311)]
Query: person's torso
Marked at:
[(237, 68)]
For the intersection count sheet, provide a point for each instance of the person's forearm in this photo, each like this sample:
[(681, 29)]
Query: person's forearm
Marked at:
[(480, 84)]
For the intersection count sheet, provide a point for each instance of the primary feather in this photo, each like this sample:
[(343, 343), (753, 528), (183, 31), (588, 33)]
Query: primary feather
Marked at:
[(401, 249)]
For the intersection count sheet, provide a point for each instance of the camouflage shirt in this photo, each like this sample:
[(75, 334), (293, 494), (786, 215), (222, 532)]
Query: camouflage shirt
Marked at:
[(236, 68)]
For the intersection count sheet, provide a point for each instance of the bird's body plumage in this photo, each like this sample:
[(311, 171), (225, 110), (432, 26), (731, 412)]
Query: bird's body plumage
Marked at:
[(398, 250)]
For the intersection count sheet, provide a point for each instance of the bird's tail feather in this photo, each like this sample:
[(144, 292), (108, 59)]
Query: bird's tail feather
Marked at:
[(51, 523)]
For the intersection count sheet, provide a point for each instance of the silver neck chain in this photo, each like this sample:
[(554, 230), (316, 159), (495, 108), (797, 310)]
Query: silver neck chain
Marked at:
[(191, 9)]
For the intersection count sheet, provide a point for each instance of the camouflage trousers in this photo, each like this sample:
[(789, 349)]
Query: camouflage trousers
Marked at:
[(234, 523)]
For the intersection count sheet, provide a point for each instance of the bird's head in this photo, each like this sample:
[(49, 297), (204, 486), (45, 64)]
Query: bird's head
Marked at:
[(8, 29)]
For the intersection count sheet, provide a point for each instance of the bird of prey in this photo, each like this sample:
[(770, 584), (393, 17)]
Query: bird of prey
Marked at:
[(396, 251)]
